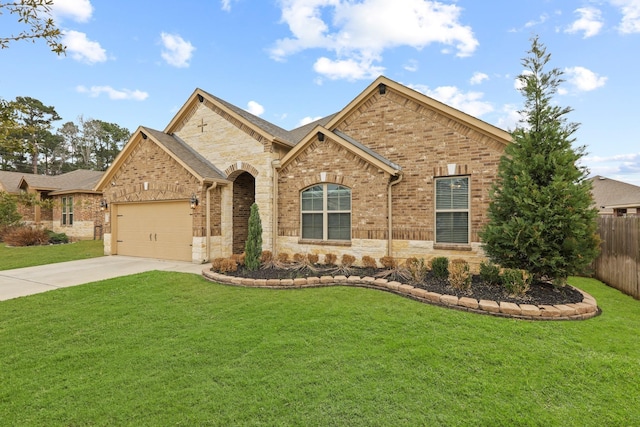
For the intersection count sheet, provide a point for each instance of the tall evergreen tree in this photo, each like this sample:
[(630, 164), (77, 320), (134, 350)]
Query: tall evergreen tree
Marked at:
[(541, 217), (253, 246)]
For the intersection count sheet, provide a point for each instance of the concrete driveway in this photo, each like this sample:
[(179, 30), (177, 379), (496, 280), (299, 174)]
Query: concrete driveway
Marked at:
[(32, 280)]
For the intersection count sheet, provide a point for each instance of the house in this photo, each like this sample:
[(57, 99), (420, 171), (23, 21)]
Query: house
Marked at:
[(393, 173), (65, 203), (615, 198)]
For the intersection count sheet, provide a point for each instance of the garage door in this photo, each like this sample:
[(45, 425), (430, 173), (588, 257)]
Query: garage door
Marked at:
[(155, 230)]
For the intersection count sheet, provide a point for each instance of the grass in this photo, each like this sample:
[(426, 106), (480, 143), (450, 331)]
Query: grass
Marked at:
[(28, 256), (172, 349)]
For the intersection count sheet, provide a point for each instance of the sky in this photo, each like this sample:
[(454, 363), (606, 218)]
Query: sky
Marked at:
[(135, 63)]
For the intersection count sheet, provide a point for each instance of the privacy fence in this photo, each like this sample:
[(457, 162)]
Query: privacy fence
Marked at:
[(619, 262)]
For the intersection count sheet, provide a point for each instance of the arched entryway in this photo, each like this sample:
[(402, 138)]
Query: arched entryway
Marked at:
[(244, 195)]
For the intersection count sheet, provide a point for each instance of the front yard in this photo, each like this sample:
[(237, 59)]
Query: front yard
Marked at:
[(28, 256), (173, 349)]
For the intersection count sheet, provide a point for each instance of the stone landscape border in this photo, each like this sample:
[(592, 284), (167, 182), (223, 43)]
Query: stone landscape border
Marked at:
[(586, 309)]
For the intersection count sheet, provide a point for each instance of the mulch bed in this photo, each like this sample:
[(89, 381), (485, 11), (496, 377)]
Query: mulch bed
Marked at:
[(539, 294)]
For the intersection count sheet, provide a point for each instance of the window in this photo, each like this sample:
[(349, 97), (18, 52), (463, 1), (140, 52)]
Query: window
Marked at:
[(67, 211), (326, 212), (452, 210)]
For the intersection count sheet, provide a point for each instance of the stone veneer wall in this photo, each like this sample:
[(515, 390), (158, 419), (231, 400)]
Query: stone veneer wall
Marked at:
[(87, 215)]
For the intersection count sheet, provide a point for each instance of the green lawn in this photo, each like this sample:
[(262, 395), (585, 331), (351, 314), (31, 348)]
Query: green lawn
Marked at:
[(173, 349), (27, 256)]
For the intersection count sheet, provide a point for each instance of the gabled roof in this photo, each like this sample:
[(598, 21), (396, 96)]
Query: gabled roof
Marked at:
[(78, 181), (186, 156), (349, 143), (267, 130), (386, 84), (298, 134), (610, 194)]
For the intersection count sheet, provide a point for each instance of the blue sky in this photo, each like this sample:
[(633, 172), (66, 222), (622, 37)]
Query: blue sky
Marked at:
[(290, 61)]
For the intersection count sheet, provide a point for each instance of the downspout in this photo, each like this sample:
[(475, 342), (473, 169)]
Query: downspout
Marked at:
[(274, 200), (390, 216), (208, 222)]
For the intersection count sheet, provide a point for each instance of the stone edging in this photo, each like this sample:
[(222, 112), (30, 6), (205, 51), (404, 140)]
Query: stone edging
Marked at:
[(586, 309)]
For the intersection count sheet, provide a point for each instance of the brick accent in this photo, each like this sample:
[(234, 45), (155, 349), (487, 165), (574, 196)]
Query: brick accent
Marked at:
[(244, 195)]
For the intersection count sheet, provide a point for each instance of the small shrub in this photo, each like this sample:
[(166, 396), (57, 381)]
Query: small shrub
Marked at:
[(266, 257), (440, 267), (228, 265), (253, 245), (57, 238), (283, 257), (388, 262), (418, 269), (239, 258), (369, 262), (490, 273), (515, 281), (347, 260), (26, 236), (216, 264), (330, 259), (459, 274), (313, 258), (297, 257)]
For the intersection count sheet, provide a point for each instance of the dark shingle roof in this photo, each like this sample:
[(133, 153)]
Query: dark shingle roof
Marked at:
[(609, 192), (80, 180), (368, 150), (299, 133), (187, 155), (9, 181)]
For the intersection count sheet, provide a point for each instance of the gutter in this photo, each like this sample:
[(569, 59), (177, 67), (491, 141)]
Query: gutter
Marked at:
[(390, 216)]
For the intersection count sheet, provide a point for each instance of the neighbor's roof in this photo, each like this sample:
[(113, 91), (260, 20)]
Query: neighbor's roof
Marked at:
[(9, 181), (609, 193), (78, 181)]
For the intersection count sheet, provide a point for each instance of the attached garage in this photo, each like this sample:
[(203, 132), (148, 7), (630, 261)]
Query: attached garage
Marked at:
[(162, 230)]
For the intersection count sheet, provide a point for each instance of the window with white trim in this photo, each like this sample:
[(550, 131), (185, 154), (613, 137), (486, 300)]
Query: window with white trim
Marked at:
[(67, 211), (452, 210), (326, 212)]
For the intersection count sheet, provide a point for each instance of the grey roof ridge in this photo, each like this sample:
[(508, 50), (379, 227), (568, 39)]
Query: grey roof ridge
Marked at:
[(367, 150)]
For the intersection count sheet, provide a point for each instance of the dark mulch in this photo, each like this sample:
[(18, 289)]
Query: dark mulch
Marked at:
[(540, 293)]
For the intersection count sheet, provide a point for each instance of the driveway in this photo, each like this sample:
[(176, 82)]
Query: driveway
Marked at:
[(32, 280)]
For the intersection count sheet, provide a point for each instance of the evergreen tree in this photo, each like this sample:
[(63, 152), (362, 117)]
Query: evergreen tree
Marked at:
[(253, 246), (9, 215), (541, 217)]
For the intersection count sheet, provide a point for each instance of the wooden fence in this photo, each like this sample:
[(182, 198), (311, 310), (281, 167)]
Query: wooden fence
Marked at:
[(619, 262)]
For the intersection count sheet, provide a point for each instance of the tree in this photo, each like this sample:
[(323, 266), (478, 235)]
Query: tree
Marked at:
[(35, 121), (253, 246), (9, 215), (36, 15), (541, 217)]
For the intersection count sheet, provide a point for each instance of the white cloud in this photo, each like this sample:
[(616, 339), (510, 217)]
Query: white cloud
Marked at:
[(583, 79), (177, 52), (511, 117), (541, 20), (307, 120), (123, 94), (82, 49), (349, 69), (478, 78), (254, 108), (77, 10), (590, 22), (226, 5), (630, 10), (469, 102), (411, 66), (358, 32)]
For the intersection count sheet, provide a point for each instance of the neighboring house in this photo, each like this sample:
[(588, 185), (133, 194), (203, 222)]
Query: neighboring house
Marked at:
[(64, 203), (615, 198), (394, 173)]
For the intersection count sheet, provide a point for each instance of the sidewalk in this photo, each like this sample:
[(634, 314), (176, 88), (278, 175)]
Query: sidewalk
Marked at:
[(31, 280)]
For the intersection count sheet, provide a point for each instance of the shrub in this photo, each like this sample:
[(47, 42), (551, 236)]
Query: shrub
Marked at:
[(283, 257), (369, 262), (266, 257), (26, 236), (57, 238), (216, 264), (490, 273), (227, 265), (347, 260), (253, 245), (388, 262), (9, 216), (299, 257), (313, 258), (516, 281), (418, 269), (440, 267), (330, 259), (239, 258), (459, 274)]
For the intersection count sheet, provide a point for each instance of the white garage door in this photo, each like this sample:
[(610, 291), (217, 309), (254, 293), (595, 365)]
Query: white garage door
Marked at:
[(155, 230)]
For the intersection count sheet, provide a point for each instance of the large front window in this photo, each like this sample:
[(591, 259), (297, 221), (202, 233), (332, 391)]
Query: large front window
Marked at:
[(67, 211), (452, 210), (326, 212)]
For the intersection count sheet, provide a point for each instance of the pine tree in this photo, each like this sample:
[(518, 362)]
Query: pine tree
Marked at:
[(253, 246), (541, 217)]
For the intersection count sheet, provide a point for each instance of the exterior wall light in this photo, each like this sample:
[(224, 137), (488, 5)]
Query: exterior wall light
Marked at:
[(103, 204), (193, 202)]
